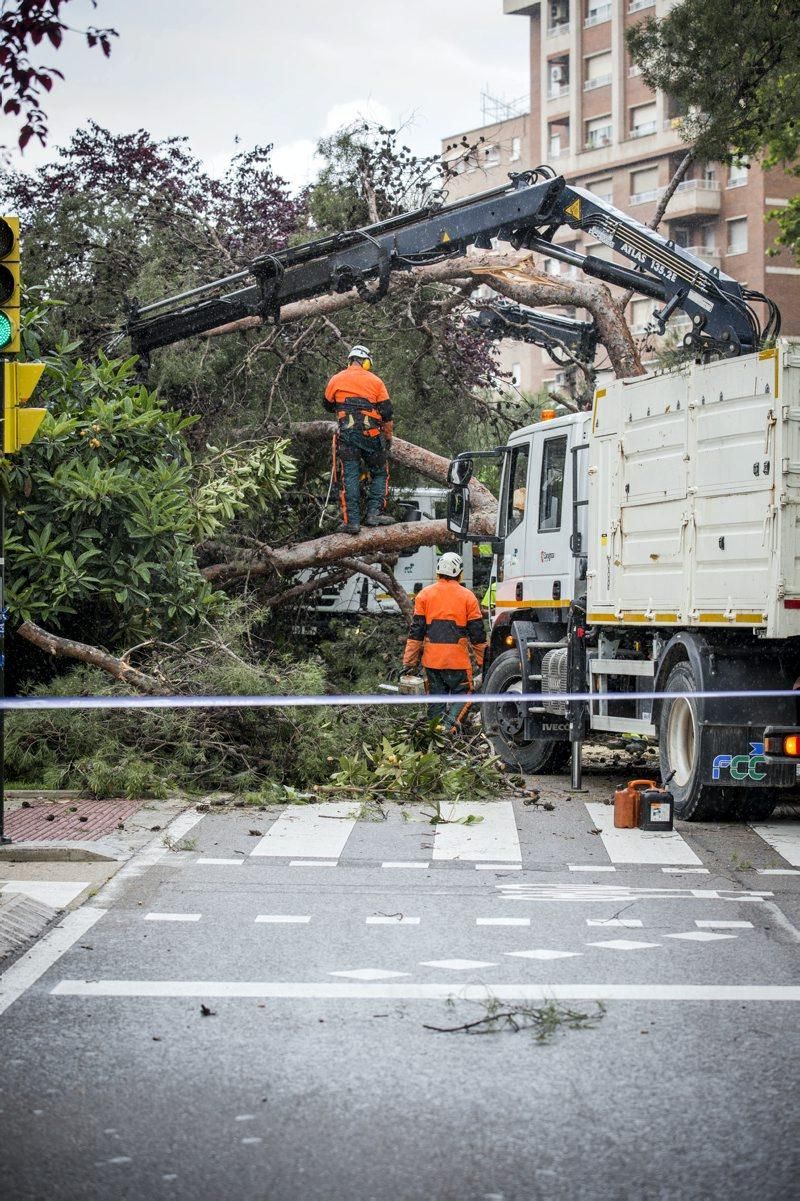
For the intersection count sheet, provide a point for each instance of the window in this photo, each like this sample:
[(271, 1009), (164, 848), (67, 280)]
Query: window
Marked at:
[(641, 314), (516, 149), (681, 235), (598, 250), (644, 185), (517, 488), (597, 71), (491, 156), (554, 457), (603, 188), (737, 175), (555, 145), (737, 235), (597, 12), (643, 120), (516, 374), (598, 132)]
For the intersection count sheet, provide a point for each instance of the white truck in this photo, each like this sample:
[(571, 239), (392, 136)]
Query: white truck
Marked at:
[(653, 545)]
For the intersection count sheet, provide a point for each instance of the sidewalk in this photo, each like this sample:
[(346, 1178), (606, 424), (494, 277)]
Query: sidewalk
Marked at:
[(64, 849)]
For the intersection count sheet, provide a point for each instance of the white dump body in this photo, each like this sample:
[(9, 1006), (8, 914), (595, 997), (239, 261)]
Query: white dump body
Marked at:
[(694, 497)]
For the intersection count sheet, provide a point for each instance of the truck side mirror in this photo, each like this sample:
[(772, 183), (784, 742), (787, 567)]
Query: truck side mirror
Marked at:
[(458, 511), (459, 473)]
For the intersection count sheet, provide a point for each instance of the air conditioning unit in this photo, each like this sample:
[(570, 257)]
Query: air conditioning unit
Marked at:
[(556, 74), (559, 12)]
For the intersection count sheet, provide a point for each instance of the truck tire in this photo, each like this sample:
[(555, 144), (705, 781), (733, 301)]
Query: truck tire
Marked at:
[(502, 724), (680, 734)]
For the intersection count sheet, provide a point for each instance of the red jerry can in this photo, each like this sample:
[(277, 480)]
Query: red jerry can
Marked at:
[(626, 803)]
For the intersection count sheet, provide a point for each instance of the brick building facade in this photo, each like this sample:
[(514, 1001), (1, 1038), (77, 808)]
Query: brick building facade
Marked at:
[(593, 119)]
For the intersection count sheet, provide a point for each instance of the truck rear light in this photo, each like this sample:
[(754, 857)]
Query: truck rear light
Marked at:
[(783, 743), (793, 603)]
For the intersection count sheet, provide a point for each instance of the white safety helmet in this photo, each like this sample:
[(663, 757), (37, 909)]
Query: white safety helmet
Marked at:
[(359, 352), (450, 564)]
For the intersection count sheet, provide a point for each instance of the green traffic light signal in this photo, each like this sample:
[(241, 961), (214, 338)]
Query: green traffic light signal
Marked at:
[(9, 285)]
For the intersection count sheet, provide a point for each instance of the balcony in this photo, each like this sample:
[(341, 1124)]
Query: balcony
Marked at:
[(597, 16), (709, 254), (601, 81), (557, 91), (557, 31), (695, 198), (645, 197), (644, 130), (635, 5)]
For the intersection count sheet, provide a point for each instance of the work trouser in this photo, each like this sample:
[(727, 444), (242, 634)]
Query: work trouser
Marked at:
[(354, 448), (442, 681)]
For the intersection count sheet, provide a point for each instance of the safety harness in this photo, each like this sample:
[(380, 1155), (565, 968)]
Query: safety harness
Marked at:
[(357, 414)]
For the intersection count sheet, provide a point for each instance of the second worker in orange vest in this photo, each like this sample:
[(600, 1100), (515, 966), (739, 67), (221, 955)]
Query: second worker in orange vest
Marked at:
[(363, 411), (446, 626)]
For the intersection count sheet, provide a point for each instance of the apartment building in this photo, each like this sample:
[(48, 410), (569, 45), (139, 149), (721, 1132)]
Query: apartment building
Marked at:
[(593, 119)]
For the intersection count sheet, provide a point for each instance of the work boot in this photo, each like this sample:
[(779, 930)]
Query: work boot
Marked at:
[(379, 519), (345, 527)]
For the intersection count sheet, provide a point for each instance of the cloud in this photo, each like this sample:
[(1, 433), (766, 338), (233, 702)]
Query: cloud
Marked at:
[(297, 162)]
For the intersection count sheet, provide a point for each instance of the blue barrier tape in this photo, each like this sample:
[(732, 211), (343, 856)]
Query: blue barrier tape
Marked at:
[(358, 700)]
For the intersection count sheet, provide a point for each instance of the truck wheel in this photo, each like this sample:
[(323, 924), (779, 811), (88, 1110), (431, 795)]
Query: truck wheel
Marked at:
[(503, 723), (680, 735)]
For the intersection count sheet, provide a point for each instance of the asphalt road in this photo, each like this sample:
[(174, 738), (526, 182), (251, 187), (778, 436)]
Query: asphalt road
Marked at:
[(314, 1076)]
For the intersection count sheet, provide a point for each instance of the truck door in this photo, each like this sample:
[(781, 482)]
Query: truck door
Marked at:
[(549, 559)]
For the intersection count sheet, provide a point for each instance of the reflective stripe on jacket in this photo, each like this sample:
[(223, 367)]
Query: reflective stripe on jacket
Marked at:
[(447, 620), (360, 401)]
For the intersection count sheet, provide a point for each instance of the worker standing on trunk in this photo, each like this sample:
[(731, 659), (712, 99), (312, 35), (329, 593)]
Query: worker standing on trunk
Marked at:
[(363, 411), (447, 622)]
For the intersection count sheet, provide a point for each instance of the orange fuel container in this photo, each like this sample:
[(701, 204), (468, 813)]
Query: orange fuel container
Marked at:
[(626, 803)]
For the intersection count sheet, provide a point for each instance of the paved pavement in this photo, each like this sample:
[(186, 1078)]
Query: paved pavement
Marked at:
[(323, 942)]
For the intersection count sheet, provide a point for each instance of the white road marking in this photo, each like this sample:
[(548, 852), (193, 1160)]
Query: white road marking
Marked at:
[(700, 936), (495, 838), (624, 892), (327, 990), (632, 923), (498, 867), (250, 1140), (543, 953), (409, 863), (623, 944), (284, 918), (314, 863), (43, 954), (590, 867), (639, 846), (57, 894), (309, 831), (709, 925), (228, 862), (394, 919), (172, 917), (456, 965), (502, 921), (369, 973), (777, 871), (684, 871), (783, 837)]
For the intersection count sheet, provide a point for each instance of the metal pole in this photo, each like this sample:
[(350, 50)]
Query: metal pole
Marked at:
[(3, 838)]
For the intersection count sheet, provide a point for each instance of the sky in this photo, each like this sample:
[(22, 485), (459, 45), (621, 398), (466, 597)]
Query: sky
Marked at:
[(285, 73)]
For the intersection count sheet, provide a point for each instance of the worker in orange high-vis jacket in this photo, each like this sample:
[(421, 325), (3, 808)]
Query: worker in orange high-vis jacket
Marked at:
[(363, 410), (447, 624)]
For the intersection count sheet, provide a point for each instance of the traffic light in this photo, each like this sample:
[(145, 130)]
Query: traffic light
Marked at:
[(20, 424), (9, 285)]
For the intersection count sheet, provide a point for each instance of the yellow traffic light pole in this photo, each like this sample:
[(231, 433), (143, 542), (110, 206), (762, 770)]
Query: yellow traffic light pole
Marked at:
[(17, 425)]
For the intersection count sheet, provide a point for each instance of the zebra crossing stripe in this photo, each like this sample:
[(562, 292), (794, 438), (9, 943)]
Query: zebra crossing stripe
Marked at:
[(493, 839), (639, 846), (307, 832)]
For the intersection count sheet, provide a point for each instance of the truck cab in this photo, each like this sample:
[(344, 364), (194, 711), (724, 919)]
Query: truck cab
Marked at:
[(542, 525)]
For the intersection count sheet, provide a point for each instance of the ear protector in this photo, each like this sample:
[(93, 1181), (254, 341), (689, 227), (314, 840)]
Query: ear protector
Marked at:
[(366, 364)]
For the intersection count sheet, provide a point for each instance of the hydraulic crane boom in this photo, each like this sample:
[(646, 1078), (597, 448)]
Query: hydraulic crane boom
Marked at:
[(552, 332), (527, 212)]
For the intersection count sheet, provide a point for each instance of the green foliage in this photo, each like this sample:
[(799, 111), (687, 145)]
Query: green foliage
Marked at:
[(106, 504), (733, 68)]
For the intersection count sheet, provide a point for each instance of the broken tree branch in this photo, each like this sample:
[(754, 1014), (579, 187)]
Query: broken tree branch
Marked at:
[(68, 648)]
